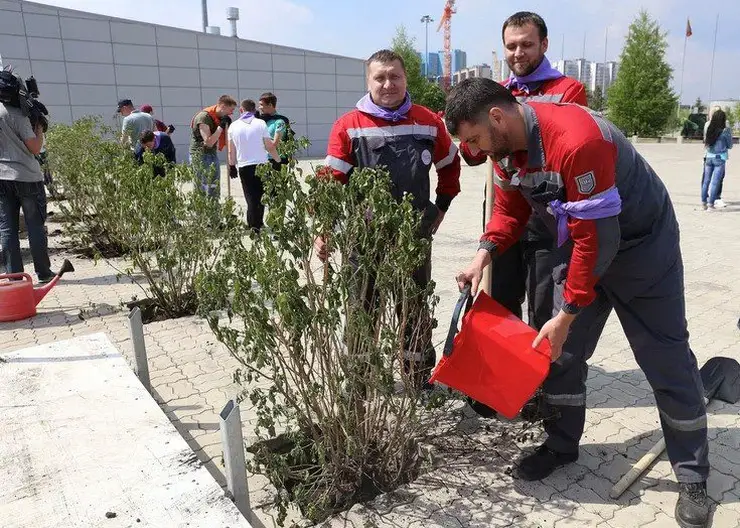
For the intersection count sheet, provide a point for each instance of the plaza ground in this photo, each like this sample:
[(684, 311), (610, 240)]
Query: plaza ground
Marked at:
[(192, 376)]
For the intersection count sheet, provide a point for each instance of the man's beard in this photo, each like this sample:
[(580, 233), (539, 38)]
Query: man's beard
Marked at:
[(502, 150), (530, 68)]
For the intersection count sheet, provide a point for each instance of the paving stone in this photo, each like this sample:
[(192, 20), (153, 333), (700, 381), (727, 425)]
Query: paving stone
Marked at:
[(193, 373)]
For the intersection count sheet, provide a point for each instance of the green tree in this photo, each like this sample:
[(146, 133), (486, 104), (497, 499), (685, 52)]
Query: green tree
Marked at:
[(700, 106), (422, 91), (596, 99), (641, 100)]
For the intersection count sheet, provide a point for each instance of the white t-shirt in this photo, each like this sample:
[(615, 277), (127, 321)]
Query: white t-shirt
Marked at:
[(248, 136)]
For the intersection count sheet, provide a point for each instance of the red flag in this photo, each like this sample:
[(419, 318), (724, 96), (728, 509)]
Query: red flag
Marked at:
[(688, 28)]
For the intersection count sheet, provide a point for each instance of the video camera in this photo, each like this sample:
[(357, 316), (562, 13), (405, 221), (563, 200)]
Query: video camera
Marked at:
[(16, 92)]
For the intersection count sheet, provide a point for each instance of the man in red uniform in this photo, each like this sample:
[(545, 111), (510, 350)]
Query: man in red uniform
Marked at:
[(387, 130), (527, 265), (618, 248)]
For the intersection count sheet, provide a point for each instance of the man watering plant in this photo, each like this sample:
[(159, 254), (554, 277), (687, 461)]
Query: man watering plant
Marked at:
[(618, 242), (387, 130)]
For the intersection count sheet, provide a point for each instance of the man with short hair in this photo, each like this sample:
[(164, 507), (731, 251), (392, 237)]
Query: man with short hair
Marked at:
[(22, 187), (207, 137), (134, 123), (277, 125), (415, 138), (249, 143), (618, 248), (526, 266), (156, 143)]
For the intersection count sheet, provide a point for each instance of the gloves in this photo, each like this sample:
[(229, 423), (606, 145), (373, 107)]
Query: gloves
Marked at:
[(225, 122), (233, 173), (170, 129)]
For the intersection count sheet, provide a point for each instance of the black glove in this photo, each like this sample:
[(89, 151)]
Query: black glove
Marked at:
[(170, 129), (233, 173), (225, 121)]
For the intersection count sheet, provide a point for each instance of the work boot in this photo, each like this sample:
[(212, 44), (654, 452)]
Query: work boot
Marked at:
[(542, 462), (692, 508)]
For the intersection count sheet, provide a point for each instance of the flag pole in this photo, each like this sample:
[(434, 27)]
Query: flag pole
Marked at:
[(683, 65), (711, 72)]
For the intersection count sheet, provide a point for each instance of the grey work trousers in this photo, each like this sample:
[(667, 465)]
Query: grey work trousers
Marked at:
[(651, 311)]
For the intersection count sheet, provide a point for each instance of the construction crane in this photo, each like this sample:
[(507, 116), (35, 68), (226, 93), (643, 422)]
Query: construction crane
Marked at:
[(446, 22)]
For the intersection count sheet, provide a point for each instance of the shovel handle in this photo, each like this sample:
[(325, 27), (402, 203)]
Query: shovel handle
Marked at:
[(638, 469), (463, 302)]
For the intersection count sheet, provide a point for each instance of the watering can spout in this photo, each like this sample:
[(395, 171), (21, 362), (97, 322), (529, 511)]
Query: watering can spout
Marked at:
[(40, 292)]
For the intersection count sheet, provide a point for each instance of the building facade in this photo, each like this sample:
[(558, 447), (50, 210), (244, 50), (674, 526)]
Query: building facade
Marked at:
[(84, 63), (591, 74), (481, 70), (432, 66)]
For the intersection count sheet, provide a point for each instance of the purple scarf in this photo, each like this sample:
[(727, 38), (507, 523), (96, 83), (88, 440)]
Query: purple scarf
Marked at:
[(246, 115), (602, 206), (157, 139), (543, 72), (367, 106)]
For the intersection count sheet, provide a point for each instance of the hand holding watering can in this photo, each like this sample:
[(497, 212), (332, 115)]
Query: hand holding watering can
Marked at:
[(555, 330)]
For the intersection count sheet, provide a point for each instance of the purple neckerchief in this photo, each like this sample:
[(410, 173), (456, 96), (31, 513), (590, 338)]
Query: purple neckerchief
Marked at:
[(543, 72), (367, 106), (602, 205), (157, 139), (246, 115)]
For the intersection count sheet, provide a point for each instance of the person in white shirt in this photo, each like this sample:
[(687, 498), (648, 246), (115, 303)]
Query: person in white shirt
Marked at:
[(249, 145)]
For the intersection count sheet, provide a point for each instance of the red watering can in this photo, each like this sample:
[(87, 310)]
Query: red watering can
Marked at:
[(491, 359), (18, 298)]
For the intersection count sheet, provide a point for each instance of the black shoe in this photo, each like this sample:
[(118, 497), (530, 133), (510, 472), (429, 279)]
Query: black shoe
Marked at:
[(542, 462), (692, 508)]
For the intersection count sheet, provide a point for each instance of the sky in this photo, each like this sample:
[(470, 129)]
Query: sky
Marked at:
[(356, 29)]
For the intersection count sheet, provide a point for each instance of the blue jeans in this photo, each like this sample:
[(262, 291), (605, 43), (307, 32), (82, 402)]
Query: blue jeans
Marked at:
[(711, 182), (31, 197), (208, 172)]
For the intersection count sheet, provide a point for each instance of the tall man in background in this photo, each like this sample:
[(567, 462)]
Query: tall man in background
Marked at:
[(526, 266), (208, 136), (277, 125), (135, 122), (22, 187), (249, 143)]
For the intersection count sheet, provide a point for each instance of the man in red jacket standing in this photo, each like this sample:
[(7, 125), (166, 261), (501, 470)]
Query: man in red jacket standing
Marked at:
[(527, 266), (387, 130)]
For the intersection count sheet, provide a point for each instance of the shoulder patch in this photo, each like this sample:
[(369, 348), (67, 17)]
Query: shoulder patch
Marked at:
[(586, 183)]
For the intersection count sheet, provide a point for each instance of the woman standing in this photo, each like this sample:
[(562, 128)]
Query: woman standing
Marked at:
[(718, 140)]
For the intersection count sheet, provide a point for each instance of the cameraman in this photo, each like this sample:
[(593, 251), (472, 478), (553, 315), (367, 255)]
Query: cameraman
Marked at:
[(22, 187)]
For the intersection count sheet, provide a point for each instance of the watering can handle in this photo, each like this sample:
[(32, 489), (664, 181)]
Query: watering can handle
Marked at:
[(463, 302), (16, 276)]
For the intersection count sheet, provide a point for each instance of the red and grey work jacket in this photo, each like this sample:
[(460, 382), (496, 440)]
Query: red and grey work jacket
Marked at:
[(561, 90), (575, 155), (407, 148)]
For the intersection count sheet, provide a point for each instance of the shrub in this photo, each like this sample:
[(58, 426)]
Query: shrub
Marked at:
[(166, 227), (317, 364), (80, 157)]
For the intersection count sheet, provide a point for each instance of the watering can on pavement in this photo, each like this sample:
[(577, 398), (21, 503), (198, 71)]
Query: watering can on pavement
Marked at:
[(18, 297)]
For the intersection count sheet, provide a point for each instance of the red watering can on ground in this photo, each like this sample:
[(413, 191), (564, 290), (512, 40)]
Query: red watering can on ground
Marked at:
[(18, 297), (491, 359)]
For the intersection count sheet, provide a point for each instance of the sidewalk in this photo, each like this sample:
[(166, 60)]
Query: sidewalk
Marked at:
[(192, 376)]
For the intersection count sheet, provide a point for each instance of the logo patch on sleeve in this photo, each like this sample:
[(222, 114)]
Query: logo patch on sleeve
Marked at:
[(586, 183)]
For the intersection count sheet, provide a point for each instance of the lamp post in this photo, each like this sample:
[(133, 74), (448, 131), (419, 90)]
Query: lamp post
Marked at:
[(426, 19)]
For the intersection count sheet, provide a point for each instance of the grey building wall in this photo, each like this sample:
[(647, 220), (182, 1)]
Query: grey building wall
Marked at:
[(85, 62)]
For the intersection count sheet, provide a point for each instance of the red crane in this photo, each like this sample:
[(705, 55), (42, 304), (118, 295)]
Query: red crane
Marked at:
[(446, 22)]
